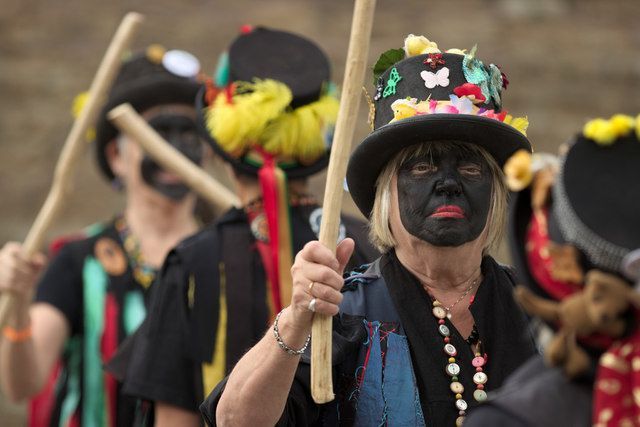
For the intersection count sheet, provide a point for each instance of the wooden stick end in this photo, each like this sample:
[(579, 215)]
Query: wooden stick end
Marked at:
[(134, 17), (322, 396), (119, 111)]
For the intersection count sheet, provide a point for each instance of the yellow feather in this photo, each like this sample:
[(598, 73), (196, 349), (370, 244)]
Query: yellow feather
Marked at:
[(299, 134), (239, 124)]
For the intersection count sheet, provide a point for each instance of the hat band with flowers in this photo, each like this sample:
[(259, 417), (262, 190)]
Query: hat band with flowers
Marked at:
[(426, 95)]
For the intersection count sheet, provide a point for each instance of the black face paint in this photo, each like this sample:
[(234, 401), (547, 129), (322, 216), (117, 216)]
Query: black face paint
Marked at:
[(444, 199), (181, 133)]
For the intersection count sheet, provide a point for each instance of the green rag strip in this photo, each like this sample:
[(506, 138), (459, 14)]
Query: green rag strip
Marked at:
[(93, 399)]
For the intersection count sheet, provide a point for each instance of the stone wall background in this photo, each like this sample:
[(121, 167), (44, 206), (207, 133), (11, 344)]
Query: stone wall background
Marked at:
[(567, 61)]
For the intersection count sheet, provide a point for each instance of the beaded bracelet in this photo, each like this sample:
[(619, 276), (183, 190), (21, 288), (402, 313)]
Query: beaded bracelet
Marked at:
[(15, 335), (291, 351)]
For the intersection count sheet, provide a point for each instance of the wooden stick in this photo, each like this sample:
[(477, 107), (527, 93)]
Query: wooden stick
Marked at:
[(75, 144), (321, 381), (130, 123)]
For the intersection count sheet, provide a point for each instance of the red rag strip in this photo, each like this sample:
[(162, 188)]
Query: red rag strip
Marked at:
[(269, 186), (109, 344)]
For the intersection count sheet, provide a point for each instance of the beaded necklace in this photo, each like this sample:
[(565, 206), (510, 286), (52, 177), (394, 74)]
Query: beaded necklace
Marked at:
[(453, 369), (142, 272)]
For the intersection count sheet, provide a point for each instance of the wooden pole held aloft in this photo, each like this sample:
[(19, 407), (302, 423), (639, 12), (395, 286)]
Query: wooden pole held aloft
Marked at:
[(321, 380), (75, 144)]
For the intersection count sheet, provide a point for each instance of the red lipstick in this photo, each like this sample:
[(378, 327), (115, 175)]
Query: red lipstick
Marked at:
[(448, 211)]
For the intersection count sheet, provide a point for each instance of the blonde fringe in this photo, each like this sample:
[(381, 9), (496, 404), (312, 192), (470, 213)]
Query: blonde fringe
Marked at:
[(259, 114)]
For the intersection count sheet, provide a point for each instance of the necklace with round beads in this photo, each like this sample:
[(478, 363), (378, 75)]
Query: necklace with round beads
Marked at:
[(453, 369), (143, 273)]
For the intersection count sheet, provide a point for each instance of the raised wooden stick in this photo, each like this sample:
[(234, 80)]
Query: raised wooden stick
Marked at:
[(75, 144), (130, 123), (321, 381)]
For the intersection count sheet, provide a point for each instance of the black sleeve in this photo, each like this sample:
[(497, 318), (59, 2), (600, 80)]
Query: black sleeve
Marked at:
[(300, 410), (160, 368), (61, 286)]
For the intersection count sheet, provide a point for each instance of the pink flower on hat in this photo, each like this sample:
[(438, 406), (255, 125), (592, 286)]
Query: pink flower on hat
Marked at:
[(471, 91)]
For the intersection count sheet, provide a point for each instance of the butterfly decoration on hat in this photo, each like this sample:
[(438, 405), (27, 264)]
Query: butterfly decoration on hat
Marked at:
[(439, 78)]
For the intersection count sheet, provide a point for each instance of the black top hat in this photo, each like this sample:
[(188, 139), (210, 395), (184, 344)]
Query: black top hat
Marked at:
[(597, 196), (594, 204), (432, 96), (145, 80), (272, 97)]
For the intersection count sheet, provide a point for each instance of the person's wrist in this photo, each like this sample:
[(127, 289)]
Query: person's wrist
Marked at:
[(293, 330), (19, 317)]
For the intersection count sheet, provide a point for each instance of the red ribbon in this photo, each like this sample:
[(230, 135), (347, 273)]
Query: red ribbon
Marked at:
[(269, 186)]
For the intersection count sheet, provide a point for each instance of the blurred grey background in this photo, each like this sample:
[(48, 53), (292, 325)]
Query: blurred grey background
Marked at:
[(566, 60)]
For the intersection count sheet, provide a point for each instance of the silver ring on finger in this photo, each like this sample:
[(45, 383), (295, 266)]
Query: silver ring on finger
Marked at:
[(312, 305)]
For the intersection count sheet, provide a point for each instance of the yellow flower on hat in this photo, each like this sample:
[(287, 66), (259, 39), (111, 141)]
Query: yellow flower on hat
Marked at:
[(601, 131), (76, 108), (419, 45), (404, 108), (519, 123), (622, 124), (637, 124), (518, 171), (457, 51)]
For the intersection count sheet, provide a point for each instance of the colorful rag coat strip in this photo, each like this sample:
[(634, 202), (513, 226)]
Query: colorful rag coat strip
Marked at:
[(91, 282)]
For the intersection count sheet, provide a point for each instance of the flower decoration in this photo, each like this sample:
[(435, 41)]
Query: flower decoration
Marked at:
[(79, 102), (505, 81), (155, 53), (475, 72), (419, 45), (409, 107), (434, 60), (404, 108), (622, 124), (439, 78), (495, 84), (457, 51), (471, 91), (519, 123), (605, 132), (517, 170), (463, 104)]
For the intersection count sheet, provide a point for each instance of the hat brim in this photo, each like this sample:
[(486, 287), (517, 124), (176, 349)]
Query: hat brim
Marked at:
[(379, 147), (242, 164), (142, 96)]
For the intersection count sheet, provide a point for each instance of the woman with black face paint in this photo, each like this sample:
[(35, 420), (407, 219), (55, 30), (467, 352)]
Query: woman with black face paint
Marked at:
[(95, 290), (424, 332)]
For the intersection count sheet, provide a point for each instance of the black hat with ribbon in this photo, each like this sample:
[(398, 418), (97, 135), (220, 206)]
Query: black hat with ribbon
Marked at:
[(422, 95), (270, 113), (146, 79), (271, 98)]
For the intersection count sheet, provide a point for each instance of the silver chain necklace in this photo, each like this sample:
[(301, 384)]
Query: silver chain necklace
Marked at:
[(464, 294)]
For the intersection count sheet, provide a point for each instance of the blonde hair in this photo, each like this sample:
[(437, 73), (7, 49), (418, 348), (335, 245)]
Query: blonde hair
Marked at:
[(379, 230)]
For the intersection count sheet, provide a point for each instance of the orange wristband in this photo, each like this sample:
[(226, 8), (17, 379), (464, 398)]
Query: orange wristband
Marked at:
[(15, 335)]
